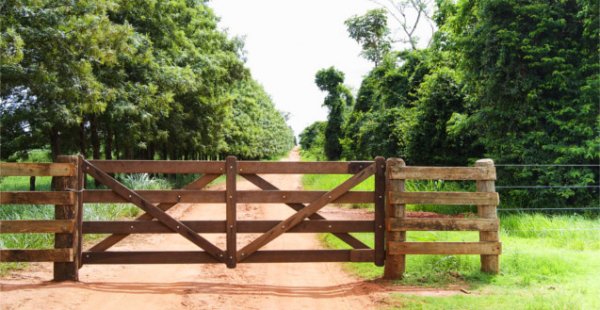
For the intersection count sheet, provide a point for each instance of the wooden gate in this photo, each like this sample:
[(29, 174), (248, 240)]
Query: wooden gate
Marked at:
[(305, 203), (70, 195)]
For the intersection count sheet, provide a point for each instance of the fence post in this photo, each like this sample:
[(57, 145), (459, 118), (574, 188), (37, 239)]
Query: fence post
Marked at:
[(231, 212), (69, 270), (489, 263), (395, 265), (379, 193)]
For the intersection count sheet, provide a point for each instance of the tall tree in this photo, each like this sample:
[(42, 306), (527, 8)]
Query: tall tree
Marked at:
[(371, 32), (338, 98)]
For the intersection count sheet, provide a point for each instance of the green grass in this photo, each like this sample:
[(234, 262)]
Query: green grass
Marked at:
[(547, 263)]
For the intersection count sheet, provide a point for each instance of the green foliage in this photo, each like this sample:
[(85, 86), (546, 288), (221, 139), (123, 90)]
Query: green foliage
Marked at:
[(143, 79), (531, 69), (371, 32), (515, 81), (338, 98), (312, 139)]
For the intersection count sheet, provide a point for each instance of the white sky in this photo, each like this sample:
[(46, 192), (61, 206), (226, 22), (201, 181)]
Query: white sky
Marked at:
[(287, 42)]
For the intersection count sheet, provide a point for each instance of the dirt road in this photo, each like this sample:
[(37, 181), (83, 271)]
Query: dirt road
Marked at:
[(249, 286)]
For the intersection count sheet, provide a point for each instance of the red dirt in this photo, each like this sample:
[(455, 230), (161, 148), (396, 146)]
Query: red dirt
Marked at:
[(249, 286)]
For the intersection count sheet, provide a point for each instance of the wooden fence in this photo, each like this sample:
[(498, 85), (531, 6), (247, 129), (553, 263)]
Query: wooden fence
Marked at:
[(69, 196), (398, 224)]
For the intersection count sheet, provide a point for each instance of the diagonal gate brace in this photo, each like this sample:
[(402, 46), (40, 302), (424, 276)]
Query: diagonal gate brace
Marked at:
[(160, 215), (265, 185), (297, 218), (113, 239)]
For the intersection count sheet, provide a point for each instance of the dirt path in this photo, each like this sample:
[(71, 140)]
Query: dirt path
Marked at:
[(249, 286)]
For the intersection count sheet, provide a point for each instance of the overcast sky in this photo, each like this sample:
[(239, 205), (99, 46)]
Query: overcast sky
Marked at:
[(287, 42)]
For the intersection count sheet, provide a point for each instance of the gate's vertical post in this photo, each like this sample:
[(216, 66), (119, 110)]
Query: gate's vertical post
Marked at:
[(79, 205), (395, 265), (379, 210), (231, 201), (489, 263), (68, 270)]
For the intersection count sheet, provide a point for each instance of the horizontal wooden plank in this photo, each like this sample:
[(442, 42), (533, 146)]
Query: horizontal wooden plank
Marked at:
[(50, 198), (159, 166), (37, 226), (444, 248), (37, 169), (260, 167), (441, 224), (206, 196), (319, 167), (200, 257), (54, 255), (152, 227), (442, 173), (444, 198)]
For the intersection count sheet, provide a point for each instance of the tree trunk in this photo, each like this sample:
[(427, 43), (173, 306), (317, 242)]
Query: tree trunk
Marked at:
[(82, 147), (95, 141), (54, 150), (108, 143)]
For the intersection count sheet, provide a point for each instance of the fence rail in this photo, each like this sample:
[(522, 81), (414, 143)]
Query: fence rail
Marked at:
[(389, 224)]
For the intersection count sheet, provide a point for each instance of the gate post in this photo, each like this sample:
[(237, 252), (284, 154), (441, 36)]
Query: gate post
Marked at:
[(395, 265), (69, 270), (231, 212), (489, 263), (379, 211)]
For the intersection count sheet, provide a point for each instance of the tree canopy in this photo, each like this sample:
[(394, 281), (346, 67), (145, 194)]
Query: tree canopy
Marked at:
[(142, 79)]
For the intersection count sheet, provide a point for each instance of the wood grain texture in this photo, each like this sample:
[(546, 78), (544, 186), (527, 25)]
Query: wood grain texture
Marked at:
[(200, 257), (37, 169), (37, 226), (55, 255), (395, 265), (443, 173), (208, 196), (256, 226), (231, 211), (379, 198), (47, 198), (442, 224), (444, 248), (489, 263), (444, 198)]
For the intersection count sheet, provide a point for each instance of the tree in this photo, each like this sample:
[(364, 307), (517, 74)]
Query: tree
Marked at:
[(532, 74), (338, 98), (371, 32), (410, 14)]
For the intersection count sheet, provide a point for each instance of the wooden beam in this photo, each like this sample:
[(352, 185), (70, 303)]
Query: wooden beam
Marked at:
[(231, 210), (155, 227), (200, 257), (54, 255), (445, 248), (379, 197), (216, 167), (156, 212), (283, 167), (444, 198), (207, 196), (395, 265), (489, 263), (37, 169), (265, 185), (312, 208), (443, 173), (50, 198), (442, 224), (37, 226), (111, 240)]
